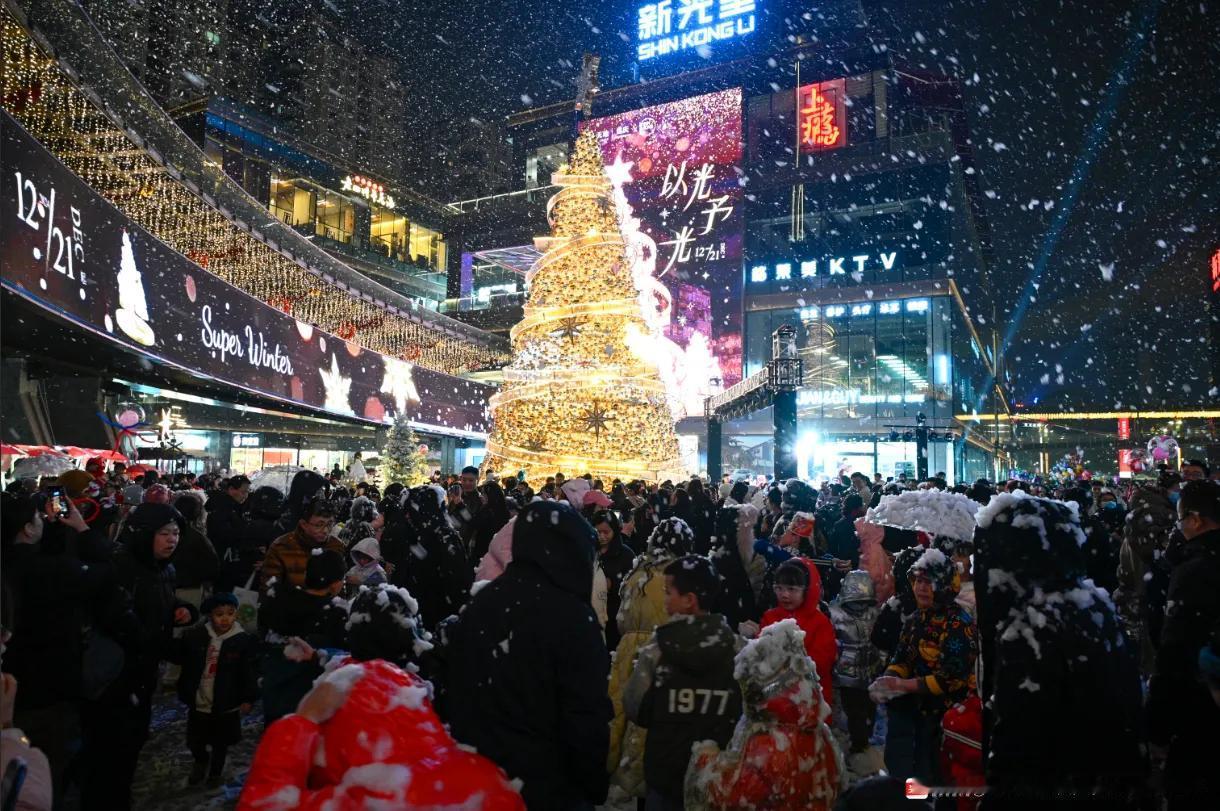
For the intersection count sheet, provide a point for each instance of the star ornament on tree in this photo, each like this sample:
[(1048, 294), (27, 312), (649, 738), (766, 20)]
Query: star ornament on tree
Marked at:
[(596, 418), (569, 329)]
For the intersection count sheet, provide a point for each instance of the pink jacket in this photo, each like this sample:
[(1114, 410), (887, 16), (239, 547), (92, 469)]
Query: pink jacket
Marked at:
[(874, 559), (499, 553)]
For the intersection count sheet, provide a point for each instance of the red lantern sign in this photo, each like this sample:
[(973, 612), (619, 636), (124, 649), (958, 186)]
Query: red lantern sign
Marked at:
[(1216, 271), (1124, 427), (821, 116)]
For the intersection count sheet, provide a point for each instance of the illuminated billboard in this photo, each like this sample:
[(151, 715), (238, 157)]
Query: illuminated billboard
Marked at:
[(66, 249), (822, 116), (674, 169), (672, 26)]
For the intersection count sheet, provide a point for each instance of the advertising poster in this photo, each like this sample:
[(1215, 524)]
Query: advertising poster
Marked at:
[(68, 250), (674, 169)]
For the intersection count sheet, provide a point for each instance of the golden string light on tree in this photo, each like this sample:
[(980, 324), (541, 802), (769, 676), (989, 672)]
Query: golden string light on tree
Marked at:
[(582, 394)]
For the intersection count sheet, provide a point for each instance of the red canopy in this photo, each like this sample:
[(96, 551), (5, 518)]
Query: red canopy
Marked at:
[(11, 450)]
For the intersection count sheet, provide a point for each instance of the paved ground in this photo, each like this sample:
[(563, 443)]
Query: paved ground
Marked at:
[(165, 762), (160, 783)]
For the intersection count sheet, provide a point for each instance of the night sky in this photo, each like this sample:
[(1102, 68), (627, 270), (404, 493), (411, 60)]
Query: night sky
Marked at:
[(1095, 130)]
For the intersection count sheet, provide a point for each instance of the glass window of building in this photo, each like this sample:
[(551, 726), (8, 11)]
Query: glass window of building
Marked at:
[(388, 232), (336, 217), (427, 246), (292, 203)]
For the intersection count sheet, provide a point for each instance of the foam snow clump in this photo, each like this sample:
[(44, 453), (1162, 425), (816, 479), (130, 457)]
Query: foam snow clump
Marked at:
[(943, 514)]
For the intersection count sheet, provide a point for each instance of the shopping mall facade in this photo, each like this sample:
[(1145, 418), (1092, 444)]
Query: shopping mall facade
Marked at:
[(139, 277), (814, 181)]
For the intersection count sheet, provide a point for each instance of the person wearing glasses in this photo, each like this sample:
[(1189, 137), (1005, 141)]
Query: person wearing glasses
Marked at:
[(289, 554)]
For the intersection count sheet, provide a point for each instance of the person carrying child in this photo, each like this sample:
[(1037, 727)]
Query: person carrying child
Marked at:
[(682, 689), (219, 683)]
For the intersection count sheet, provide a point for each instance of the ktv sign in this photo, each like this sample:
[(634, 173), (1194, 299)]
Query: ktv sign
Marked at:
[(670, 26)]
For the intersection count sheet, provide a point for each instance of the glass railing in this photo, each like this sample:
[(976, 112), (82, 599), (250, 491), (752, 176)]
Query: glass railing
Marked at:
[(65, 31)]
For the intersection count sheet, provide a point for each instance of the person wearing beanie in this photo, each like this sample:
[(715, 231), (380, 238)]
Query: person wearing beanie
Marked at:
[(298, 619), (931, 668), (528, 664), (219, 684)]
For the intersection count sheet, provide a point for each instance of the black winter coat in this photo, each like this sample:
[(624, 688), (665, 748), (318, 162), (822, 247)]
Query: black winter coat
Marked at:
[(55, 594), (1065, 702), (228, 529), (528, 671), (236, 670), (150, 585), (438, 574), (195, 560), (291, 611), (616, 563), (1179, 704), (1101, 547)]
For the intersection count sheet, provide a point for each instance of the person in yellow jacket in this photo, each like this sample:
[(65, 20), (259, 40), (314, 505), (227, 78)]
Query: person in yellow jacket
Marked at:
[(641, 610)]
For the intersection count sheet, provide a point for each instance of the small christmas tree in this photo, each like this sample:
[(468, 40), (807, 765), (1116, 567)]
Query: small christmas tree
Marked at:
[(584, 393), (401, 460)]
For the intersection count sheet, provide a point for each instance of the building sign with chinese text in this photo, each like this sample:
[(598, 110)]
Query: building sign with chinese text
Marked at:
[(674, 171), (821, 116), (370, 190), (671, 26)]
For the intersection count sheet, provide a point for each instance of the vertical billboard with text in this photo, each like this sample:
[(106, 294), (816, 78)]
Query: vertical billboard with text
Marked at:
[(674, 168)]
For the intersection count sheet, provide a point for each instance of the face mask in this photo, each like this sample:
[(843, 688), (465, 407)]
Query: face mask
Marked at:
[(1110, 505), (1174, 498)]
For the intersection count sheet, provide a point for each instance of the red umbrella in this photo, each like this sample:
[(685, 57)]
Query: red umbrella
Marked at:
[(109, 456), (11, 450)]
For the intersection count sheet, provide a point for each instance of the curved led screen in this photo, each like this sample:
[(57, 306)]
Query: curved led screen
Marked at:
[(70, 251)]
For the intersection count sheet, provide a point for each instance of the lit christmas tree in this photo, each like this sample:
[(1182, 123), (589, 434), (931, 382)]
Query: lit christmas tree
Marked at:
[(582, 394), (401, 460)]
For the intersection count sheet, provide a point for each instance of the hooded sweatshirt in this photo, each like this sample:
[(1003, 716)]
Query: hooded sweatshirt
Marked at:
[(371, 573), (682, 691), (820, 641)]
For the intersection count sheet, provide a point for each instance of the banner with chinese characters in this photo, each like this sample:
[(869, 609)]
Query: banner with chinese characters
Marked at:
[(674, 168), (68, 250), (821, 116)]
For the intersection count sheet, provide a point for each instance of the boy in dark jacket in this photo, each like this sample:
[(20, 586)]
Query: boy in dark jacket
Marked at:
[(219, 683), (682, 689)]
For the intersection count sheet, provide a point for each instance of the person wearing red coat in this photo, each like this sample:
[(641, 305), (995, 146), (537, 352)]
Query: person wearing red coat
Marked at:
[(798, 589), (366, 736), (783, 756)]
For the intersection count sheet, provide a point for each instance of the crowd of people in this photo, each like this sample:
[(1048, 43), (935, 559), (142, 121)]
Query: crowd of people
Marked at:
[(572, 642)]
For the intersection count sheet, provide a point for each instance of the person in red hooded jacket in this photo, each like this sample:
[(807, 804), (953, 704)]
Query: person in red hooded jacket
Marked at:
[(798, 590), (367, 736)]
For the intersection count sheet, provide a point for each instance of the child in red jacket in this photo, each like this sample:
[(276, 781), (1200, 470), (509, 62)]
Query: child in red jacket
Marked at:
[(798, 590)]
